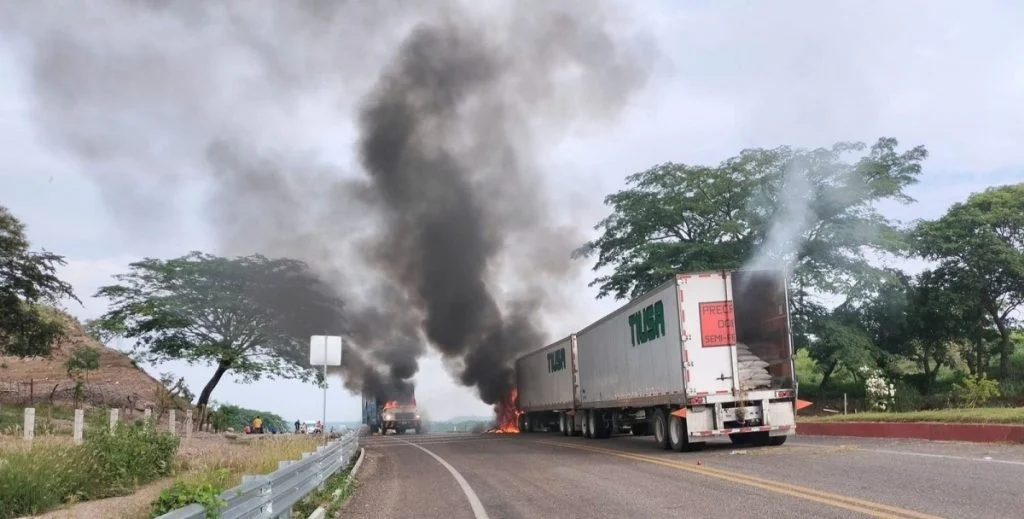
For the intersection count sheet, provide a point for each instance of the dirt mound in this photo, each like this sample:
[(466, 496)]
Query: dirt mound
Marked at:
[(119, 382)]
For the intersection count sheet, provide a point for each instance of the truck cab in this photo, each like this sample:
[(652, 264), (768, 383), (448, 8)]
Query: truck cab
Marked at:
[(397, 415), (400, 417)]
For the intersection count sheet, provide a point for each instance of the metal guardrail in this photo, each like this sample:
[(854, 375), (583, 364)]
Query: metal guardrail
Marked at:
[(273, 495)]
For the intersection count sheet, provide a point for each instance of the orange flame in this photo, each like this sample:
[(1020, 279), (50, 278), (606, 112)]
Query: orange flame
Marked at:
[(391, 404), (507, 415)]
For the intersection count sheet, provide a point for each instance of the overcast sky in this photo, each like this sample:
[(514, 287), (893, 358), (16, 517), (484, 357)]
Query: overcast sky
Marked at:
[(729, 75)]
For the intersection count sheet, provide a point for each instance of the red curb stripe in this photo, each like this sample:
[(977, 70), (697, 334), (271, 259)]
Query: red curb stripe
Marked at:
[(980, 433)]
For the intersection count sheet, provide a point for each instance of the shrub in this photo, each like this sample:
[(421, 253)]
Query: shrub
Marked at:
[(975, 390), (35, 481), (134, 454), (881, 393), (205, 490)]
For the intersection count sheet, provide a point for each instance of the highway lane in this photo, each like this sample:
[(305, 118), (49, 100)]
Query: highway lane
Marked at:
[(546, 474)]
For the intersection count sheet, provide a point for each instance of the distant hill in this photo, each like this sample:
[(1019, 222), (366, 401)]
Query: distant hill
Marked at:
[(461, 419), (119, 382)]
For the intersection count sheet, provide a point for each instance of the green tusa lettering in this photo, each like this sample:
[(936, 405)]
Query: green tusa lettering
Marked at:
[(647, 324), (556, 360)]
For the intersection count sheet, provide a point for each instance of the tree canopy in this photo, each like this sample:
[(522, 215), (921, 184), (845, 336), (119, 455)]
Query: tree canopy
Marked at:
[(812, 210), (251, 316), (979, 245), (27, 280), (816, 213)]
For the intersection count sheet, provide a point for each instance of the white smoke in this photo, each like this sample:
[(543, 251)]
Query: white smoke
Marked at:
[(794, 215)]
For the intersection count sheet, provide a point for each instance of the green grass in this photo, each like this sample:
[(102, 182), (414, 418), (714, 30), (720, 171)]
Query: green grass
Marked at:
[(49, 472), (996, 415), (50, 419)]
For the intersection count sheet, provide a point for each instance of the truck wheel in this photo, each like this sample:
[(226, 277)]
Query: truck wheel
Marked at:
[(740, 438), (570, 425), (562, 426), (677, 434), (762, 439), (601, 428), (589, 426), (775, 441), (661, 429)]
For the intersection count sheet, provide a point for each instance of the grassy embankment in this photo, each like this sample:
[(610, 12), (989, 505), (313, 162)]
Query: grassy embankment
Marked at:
[(989, 415), (105, 472)]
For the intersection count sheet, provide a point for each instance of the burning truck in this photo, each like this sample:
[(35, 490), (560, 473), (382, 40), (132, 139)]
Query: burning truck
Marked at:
[(397, 415), (704, 355)]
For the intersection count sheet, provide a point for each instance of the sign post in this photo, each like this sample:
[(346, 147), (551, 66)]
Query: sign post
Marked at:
[(325, 350)]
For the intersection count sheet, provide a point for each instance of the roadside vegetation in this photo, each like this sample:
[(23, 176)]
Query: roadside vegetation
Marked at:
[(35, 478), (988, 415), (341, 483), (946, 335)]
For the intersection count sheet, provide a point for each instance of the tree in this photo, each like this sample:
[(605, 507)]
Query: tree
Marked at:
[(806, 209), (250, 315), (27, 279), (979, 244), (83, 359)]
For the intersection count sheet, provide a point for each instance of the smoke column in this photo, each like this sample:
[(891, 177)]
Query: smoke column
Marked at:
[(441, 236)]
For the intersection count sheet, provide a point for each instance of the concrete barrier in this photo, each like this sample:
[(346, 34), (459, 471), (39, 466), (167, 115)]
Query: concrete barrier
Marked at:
[(958, 432)]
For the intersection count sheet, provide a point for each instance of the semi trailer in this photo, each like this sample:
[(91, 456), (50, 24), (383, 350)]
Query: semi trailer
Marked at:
[(703, 355)]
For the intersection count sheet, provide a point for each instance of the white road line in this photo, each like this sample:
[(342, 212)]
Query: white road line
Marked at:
[(942, 456), (474, 501)]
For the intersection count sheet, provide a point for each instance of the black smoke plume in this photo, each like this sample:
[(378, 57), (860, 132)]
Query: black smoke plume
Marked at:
[(443, 236)]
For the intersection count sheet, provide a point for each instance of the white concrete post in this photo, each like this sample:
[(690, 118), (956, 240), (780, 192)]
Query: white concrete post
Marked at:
[(79, 427), (30, 423), (147, 414), (114, 413), (171, 419), (188, 424)]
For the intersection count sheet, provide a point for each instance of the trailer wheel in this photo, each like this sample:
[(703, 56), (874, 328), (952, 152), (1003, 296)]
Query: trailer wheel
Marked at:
[(740, 438), (570, 425), (602, 429), (562, 428), (762, 439), (661, 429), (677, 437)]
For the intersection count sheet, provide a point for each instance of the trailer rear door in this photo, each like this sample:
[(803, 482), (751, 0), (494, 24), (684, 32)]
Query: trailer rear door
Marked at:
[(736, 334), (709, 332)]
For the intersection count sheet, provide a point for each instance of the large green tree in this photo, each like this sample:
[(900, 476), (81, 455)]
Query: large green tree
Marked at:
[(979, 245), (814, 211), (251, 316), (27, 280)]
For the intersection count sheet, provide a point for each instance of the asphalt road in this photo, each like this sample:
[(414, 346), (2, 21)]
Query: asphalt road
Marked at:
[(539, 475)]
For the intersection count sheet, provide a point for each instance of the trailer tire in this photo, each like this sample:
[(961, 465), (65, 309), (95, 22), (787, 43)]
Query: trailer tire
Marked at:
[(570, 425), (562, 426), (661, 429), (588, 425), (677, 433), (740, 438), (775, 441), (602, 429)]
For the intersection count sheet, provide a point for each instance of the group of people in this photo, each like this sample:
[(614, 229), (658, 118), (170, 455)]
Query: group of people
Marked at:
[(302, 428), (257, 427)]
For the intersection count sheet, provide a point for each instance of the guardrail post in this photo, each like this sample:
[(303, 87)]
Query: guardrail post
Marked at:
[(172, 422), (30, 423), (147, 415), (113, 419), (79, 426), (188, 424)]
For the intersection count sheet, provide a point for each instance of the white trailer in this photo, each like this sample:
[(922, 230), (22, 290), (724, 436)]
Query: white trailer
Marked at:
[(703, 355), (548, 387)]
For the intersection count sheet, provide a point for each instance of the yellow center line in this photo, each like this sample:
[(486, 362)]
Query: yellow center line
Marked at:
[(835, 500)]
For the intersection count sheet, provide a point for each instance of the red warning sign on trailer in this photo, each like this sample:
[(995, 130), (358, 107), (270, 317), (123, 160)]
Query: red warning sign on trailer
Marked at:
[(717, 324)]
